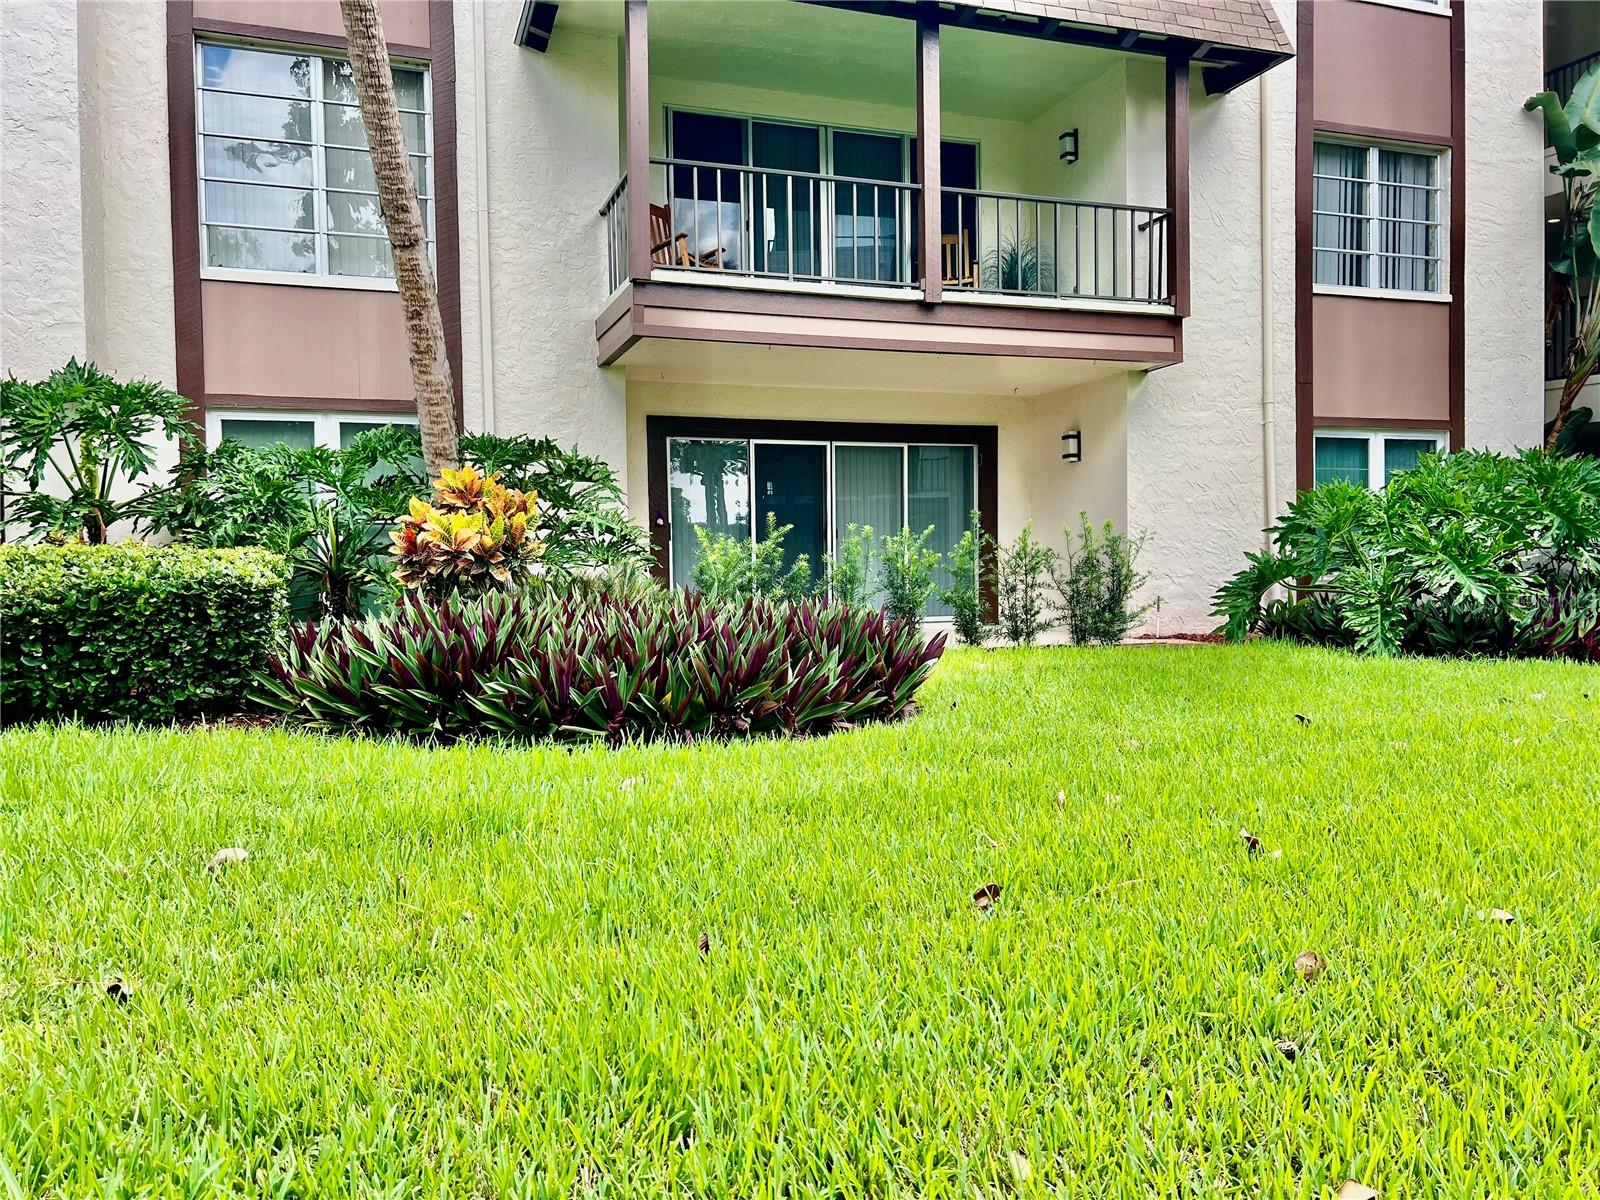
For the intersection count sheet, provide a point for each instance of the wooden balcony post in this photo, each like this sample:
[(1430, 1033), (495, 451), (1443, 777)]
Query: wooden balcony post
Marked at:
[(636, 125), (1178, 178), (929, 138)]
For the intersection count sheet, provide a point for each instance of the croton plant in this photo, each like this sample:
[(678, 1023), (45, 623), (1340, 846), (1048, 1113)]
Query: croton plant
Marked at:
[(472, 539)]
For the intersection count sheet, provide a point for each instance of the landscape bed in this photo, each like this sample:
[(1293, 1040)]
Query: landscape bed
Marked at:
[(758, 969)]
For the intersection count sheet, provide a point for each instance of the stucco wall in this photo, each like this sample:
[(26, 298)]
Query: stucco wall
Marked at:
[(552, 145), (1195, 441), (42, 320), (1505, 229)]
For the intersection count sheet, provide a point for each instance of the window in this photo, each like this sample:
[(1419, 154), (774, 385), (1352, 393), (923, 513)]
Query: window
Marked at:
[(300, 430), (1377, 218), (286, 183), (821, 488), (1369, 458)]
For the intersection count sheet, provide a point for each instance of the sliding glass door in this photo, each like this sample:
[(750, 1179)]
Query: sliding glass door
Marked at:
[(870, 240), (825, 491)]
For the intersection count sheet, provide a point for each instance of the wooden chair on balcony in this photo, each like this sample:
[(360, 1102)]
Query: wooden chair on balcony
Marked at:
[(959, 269), (671, 249)]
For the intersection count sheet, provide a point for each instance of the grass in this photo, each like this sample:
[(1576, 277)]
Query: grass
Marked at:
[(477, 970)]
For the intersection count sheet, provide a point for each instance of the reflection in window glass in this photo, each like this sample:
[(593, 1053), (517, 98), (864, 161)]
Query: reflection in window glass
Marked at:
[(1403, 453), (708, 485), (284, 120), (942, 490), (258, 433)]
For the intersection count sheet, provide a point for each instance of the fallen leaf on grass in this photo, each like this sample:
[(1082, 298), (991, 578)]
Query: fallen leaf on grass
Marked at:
[(226, 857), (628, 784), (1499, 915), (1020, 1166), (1252, 843), (1302, 718), (987, 896), (705, 943), (1350, 1189), (1289, 1049), (119, 990), (1310, 964), (1061, 799)]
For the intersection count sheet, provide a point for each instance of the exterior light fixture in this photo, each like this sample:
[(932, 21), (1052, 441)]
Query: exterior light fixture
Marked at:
[(1072, 445), (1069, 145)]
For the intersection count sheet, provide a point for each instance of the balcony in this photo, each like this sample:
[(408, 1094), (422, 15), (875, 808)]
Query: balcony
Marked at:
[(933, 179)]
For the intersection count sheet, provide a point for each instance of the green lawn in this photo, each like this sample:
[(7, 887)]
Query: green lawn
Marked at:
[(477, 970)]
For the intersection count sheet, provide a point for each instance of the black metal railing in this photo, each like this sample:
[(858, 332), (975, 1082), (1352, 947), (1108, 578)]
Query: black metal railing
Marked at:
[(808, 227), (1043, 247), (1560, 80)]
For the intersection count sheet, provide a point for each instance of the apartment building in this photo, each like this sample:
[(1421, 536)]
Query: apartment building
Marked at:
[(886, 263)]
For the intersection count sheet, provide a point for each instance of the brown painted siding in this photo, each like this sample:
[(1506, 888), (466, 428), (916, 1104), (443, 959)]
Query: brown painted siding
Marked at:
[(1379, 73), (1382, 67), (276, 345), (1375, 359)]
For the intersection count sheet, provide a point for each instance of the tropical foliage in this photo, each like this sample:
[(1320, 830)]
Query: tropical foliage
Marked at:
[(963, 593), (76, 452), (1096, 578), (657, 665), (133, 632), (473, 538), (908, 566), (1470, 553)]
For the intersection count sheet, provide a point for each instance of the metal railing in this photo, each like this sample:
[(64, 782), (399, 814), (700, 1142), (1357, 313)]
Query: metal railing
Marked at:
[(1058, 249), (614, 212), (808, 227), (1560, 80)]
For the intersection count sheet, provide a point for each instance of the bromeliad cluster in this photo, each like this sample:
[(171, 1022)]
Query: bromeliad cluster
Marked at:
[(660, 665), (473, 538)]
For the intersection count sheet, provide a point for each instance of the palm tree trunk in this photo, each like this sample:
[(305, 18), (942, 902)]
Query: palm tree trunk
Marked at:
[(397, 195)]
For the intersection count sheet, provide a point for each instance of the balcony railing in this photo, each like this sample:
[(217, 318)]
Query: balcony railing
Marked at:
[(1561, 79), (806, 227)]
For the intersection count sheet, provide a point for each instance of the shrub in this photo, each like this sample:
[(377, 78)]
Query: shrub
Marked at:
[(1025, 567), (907, 568), (731, 569), (94, 437), (1097, 578), (1470, 553), (848, 577), (472, 539), (580, 666), (963, 594), (132, 631)]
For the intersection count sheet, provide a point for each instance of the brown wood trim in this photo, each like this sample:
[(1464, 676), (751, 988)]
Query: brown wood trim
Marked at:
[(658, 428), (189, 321), (1377, 134), (310, 404), (300, 37), (636, 131), (1458, 226), (1177, 112), (863, 308), (1433, 424), (447, 205), (1304, 159), (928, 168), (618, 308)]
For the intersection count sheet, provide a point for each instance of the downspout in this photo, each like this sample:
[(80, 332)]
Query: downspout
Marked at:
[(1269, 439), (480, 104)]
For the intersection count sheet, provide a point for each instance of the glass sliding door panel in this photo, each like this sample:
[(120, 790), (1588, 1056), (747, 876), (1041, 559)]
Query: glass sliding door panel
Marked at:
[(869, 234), (869, 490), (707, 203), (786, 209), (708, 485), (941, 490), (792, 485)]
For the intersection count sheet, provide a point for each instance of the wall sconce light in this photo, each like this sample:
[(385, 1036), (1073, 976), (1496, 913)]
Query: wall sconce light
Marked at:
[(1072, 445), (1069, 145)]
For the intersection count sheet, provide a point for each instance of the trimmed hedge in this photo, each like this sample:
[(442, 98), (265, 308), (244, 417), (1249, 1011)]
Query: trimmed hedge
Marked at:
[(133, 632), (666, 665)]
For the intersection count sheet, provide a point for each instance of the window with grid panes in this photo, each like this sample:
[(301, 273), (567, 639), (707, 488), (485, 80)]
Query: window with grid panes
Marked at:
[(1377, 218), (286, 183)]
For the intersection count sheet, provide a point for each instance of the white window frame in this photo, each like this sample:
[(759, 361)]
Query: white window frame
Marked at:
[(1440, 186), (1377, 480), (324, 424), (318, 187)]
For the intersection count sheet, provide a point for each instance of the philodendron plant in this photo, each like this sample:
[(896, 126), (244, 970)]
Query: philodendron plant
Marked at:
[(1573, 132)]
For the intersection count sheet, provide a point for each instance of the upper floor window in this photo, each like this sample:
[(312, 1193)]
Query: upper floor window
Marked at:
[(1378, 221), (286, 182)]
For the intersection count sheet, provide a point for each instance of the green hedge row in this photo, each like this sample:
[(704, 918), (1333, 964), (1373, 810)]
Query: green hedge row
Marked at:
[(134, 632)]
